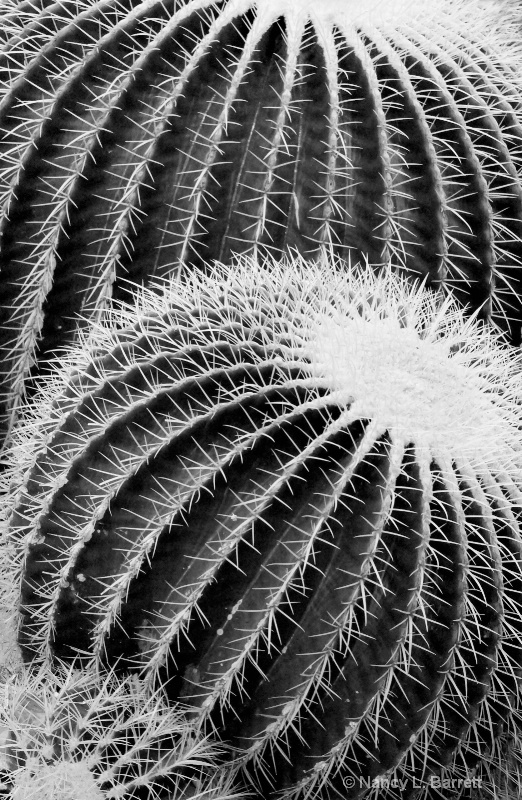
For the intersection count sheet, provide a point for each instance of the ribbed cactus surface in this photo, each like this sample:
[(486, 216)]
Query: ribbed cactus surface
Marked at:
[(142, 137), (291, 497)]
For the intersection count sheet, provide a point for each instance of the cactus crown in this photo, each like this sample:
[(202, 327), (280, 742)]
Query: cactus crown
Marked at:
[(144, 138), (218, 500)]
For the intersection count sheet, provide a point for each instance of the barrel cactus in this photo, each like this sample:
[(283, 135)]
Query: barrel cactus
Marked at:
[(290, 496), (143, 138), (75, 735)]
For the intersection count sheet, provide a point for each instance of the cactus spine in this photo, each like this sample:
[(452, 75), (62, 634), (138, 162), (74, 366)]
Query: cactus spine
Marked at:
[(141, 138), (266, 492)]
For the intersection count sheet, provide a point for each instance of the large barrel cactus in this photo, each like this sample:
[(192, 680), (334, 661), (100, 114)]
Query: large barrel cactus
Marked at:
[(140, 137), (291, 497)]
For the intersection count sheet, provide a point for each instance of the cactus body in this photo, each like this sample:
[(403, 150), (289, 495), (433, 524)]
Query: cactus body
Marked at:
[(269, 495), (142, 137)]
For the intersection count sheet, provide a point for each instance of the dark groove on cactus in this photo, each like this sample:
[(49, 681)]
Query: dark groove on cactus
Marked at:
[(468, 215), (504, 192), (469, 685), (167, 203), (247, 585), (132, 495), (53, 149), (419, 207), (364, 142), (365, 662)]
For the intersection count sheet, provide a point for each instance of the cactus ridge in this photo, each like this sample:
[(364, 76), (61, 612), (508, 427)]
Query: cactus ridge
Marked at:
[(144, 138), (217, 500)]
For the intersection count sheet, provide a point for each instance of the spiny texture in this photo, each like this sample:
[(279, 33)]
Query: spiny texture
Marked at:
[(142, 137), (76, 736), (291, 497)]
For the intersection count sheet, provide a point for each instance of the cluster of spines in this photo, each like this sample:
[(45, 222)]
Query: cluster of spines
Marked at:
[(187, 517), (80, 735), (141, 138)]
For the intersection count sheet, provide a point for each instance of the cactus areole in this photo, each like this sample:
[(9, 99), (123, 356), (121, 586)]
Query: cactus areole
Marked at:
[(141, 138), (291, 496)]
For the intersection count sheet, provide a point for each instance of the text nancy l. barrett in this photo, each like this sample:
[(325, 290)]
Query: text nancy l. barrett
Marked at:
[(433, 782)]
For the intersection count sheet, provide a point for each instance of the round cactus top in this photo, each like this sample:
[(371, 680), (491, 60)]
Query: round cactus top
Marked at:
[(412, 375), (338, 11), (403, 358), (367, 12)]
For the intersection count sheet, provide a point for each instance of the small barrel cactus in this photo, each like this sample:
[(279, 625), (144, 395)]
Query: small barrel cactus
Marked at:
[(81, 736), (141, 138), (291, 496)]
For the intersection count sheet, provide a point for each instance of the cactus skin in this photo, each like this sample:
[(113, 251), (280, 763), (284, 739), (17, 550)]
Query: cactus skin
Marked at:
[(270, 497), (142, 137)]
